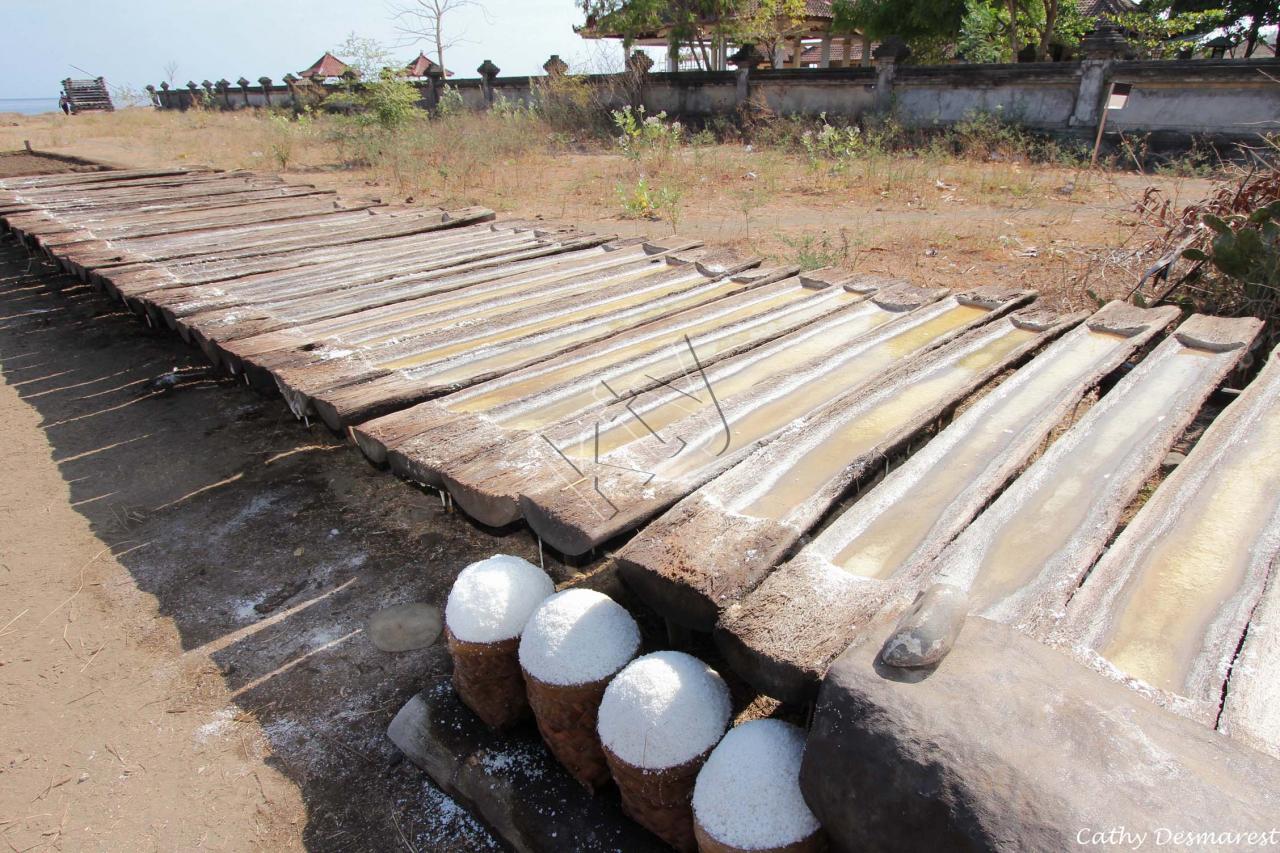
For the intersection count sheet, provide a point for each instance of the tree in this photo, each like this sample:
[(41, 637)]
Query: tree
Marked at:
[(990, 33), (765, 23), (1243, 20), (423, 20), (913, 20), (171, 71), (1166, 34), (365, 55)]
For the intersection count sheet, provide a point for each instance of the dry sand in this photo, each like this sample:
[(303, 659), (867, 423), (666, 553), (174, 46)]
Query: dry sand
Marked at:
[(183, 584)]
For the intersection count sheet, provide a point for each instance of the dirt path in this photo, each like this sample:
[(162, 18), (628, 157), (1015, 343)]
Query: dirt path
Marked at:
[(184, 578)]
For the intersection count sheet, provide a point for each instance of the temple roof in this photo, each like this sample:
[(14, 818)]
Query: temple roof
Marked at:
[(421, 66), (326, 66)]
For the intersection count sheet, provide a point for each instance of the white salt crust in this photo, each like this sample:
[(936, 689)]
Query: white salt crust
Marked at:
[(578, 636), (748, 793), (491, 600), (664, 709)]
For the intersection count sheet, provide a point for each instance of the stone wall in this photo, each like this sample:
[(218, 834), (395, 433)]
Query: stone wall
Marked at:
[(1175, 100)]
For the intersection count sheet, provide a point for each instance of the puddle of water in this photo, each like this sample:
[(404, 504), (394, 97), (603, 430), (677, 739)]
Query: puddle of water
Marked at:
[(760, 418), (884, 540), (874, 425), (1165, 615), (1051, 513), (668, 356), (641, 295)]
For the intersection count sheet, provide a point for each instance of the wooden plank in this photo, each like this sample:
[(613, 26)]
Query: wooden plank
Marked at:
[(139, 220), (723, 539), (1023, 557), (66, 179), (423, 240), (608, 491), (489, 486), (782, 635), (158, 197), (155, 287), (333, 227), (1168, 605), (283, 331), (461, 426), (405, 372)]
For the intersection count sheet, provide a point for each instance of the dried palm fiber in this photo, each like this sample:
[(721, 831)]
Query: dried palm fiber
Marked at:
[(488, 606), (659, 720), (566, 717), (572, 646), (660, 800), (487, 678)]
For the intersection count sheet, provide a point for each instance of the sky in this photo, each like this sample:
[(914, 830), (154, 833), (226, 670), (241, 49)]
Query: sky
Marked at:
[(129, 42)]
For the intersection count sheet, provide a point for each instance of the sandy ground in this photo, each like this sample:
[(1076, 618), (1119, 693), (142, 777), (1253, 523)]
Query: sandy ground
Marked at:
[(184, 578)]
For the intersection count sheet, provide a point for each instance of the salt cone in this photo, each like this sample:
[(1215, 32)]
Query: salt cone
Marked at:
[(660, 800), (814, 843), (487, 678), (566, 717)]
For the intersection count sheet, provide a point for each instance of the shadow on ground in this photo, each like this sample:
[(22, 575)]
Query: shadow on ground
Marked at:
[(268, 545)]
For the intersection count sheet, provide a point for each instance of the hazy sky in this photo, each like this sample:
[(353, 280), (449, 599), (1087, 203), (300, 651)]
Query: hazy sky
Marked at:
[(130, 41)]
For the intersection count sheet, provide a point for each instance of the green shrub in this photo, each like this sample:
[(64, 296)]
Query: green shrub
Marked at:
[(641, 134)]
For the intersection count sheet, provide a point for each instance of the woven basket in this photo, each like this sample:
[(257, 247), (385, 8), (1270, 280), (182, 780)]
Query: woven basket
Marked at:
[(566, 717), (487, 678), (660, 800), (815, 843)]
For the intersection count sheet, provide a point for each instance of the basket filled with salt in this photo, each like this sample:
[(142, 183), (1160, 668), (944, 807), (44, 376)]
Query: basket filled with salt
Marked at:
[(575, 642), (659, 720), (488, 606), (747, 796)]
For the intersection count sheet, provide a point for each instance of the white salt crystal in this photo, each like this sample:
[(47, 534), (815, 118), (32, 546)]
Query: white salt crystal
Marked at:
[(664, 709), (578, 636), (748, 793), (492, 599)]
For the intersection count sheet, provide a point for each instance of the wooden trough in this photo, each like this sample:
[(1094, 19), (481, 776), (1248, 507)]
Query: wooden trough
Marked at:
[(794, 457)]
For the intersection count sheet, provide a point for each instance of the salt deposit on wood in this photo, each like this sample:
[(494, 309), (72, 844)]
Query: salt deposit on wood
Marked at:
[(627, 485), (1170, 601), (1025, 555), (492, 600), (489, 487), (782, 635), (460, 426), (721, 540), (664, 709), (578, 636), (748, 793)]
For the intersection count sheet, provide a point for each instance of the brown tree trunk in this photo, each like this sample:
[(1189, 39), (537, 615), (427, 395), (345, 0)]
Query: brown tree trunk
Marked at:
[(1050, 19), (1251, 40), (1013, 28)]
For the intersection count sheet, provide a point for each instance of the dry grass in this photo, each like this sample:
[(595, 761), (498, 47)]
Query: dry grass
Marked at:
[(984, 214)]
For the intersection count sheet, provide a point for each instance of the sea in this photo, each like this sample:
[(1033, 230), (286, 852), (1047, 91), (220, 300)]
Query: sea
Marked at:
[(28, 106)]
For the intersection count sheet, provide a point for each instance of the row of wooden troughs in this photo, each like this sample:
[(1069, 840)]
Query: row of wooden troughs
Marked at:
[(729, 412)]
